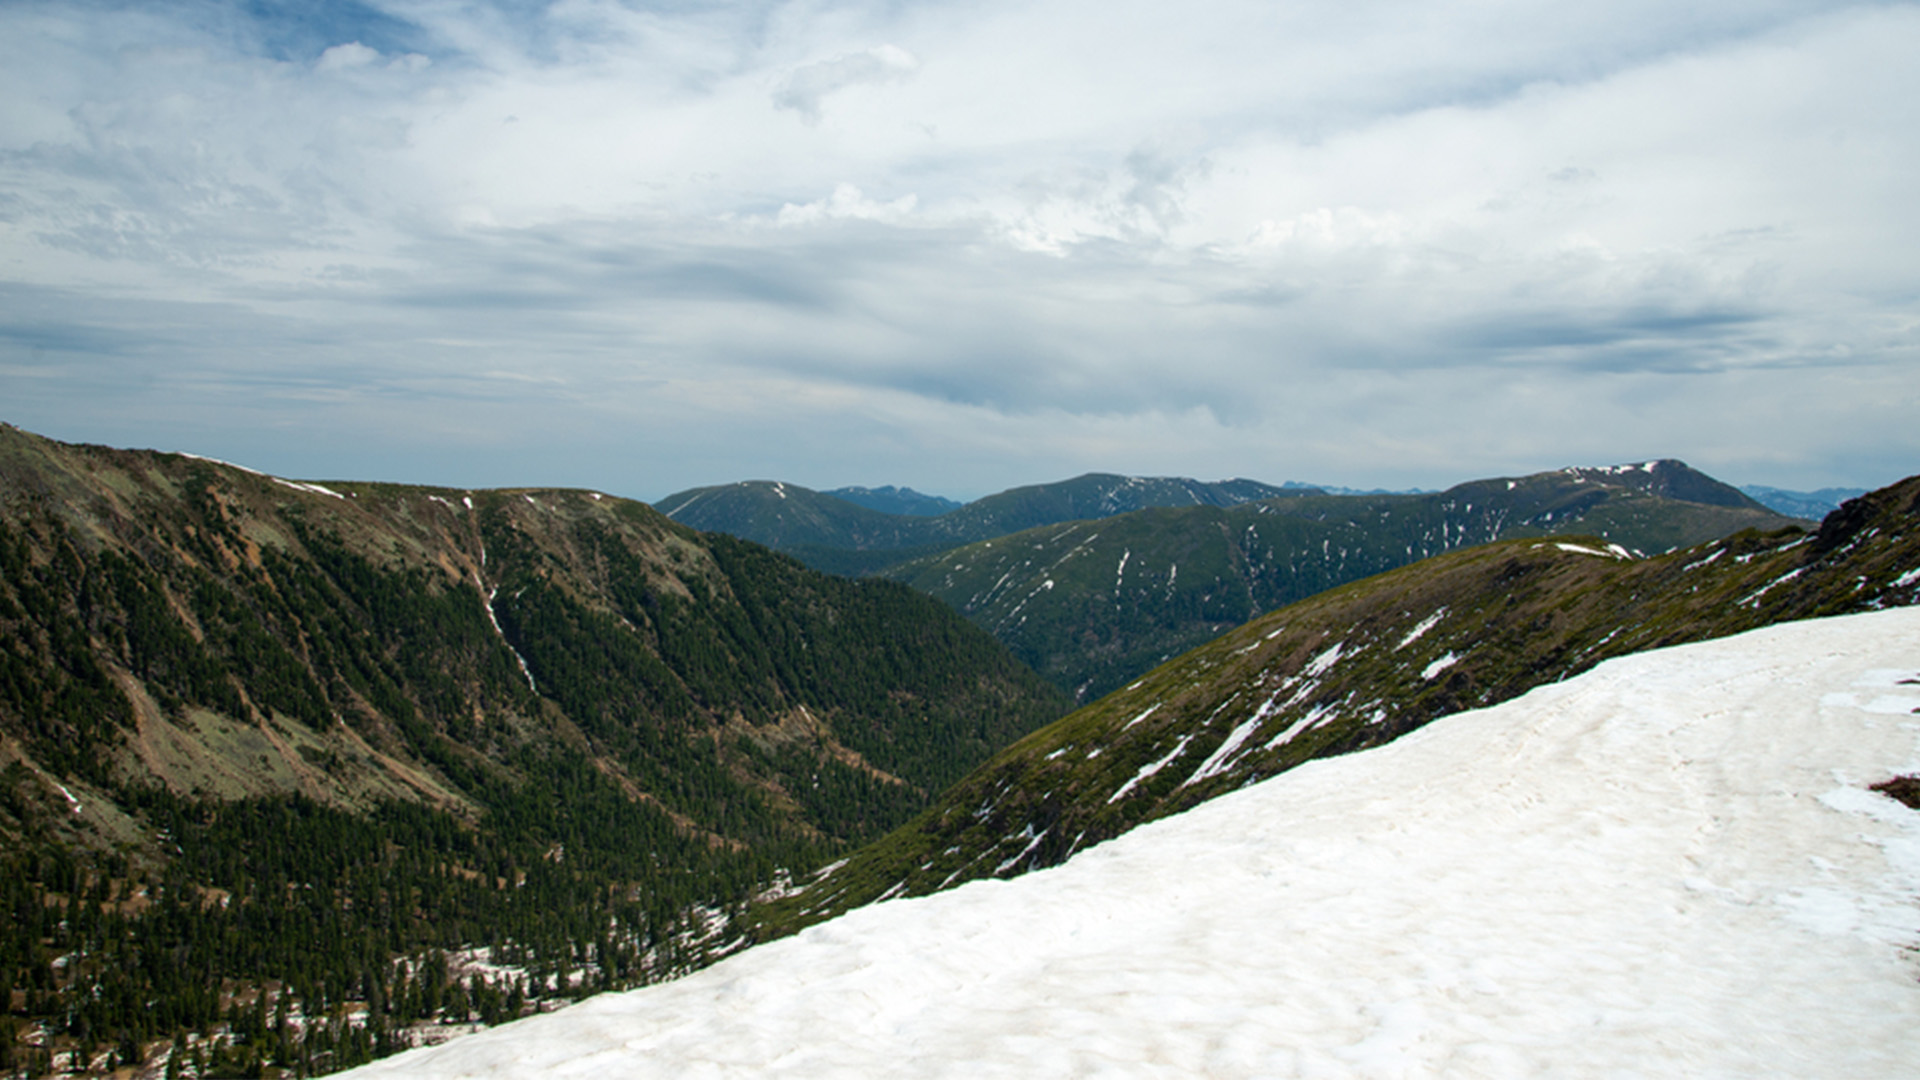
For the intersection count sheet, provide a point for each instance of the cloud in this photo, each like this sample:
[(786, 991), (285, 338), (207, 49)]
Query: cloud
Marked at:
[(805, 87), (355, 55), (351, 55), (847, 203), (1391, 243)]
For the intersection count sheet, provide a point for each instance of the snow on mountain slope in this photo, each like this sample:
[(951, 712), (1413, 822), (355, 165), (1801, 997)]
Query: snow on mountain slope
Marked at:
[(1671, 865)]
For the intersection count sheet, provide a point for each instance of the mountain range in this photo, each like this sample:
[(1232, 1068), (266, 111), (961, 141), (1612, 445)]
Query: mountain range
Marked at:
[(831, 532), (1801, 504), (1118, 574)]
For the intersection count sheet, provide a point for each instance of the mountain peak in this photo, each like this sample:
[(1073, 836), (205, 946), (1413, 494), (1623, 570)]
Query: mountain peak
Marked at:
[(1669, 478)]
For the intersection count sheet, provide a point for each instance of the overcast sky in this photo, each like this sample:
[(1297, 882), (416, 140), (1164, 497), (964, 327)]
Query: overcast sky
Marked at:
[(964, 246)]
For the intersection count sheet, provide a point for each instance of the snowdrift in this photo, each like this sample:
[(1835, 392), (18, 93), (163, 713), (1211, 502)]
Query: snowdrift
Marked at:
[(1672, 865)]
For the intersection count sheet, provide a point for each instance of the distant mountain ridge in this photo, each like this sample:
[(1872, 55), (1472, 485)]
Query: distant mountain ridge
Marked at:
[(889, 499), (1091, 604), (788, 517), (1811, 505), (1359, 665), (1096, 579)]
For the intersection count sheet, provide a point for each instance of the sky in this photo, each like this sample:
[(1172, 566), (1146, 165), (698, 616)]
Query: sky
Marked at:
[(1672, 864), (642, 247)]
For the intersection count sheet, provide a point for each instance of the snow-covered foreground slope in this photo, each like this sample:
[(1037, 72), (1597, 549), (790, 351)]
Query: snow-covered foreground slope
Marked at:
[(1668, 866)]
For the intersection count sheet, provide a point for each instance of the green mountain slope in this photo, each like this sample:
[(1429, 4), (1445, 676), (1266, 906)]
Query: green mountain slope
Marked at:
[(788, 517), (896, 500), (1091, 604), (260, 739), (819, 528), (1358, 666)]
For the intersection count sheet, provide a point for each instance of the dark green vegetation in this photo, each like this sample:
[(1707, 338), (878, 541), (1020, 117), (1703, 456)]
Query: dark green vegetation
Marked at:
[(1092, 604), (896, 500), (286, 769), (1361, 665), (821, 529)]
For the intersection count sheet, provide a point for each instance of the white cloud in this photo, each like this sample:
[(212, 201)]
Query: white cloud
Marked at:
[(847, 203), (1267, 240), (351, 55), (805, 87)]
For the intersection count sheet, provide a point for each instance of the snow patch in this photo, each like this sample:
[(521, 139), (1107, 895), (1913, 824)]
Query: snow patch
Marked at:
[(1753, 598), (495, 620), (1708, 561), (1033, 841), (1222, 757), (1318, 666), (1427, 673), (217, 461), (1420, 630), (1311, 719), (1146, 771), (314, 489)]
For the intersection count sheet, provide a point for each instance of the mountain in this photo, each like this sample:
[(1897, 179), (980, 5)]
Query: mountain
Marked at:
[(1336, 489), (274, 748), (787, 517), (1359, 666), (1812, 505), (816, 526), (896, 500), (1676, 863), (1095, 495), (1092, 604)]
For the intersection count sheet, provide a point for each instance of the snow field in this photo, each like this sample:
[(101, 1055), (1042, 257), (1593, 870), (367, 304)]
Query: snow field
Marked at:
[(1669, 866)]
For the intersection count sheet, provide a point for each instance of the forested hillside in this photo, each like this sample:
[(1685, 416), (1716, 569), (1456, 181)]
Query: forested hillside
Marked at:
[(291, 767), (835, 533)]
